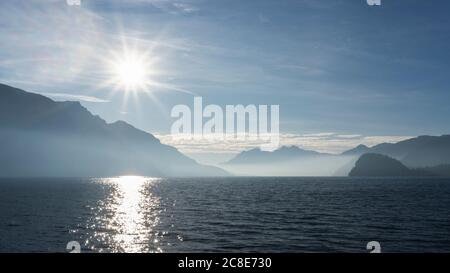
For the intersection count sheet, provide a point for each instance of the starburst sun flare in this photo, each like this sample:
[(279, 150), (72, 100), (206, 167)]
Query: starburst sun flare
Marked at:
[(131, 71)]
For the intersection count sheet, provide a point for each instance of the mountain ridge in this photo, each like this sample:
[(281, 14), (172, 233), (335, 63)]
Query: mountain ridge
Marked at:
[(378, 165), (42, 137), (417, 152), (283, 153)]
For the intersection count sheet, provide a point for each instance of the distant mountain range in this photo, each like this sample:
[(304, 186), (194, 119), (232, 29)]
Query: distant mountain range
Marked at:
[(420, 156), (42, 137), (358, 150), (286, 161), (424, 152), (257, 156)]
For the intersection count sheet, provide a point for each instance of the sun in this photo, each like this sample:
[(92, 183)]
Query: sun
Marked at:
[(131, 72)]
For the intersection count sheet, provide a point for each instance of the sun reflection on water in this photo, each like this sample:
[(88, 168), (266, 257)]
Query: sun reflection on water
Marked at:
[(129, 215)]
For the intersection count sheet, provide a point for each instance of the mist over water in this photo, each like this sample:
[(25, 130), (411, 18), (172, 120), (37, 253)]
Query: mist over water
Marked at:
[(139, 214), (330, 165)]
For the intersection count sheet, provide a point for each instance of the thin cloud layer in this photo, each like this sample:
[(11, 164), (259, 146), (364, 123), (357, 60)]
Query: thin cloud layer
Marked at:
[(321, 142), (71, 97)]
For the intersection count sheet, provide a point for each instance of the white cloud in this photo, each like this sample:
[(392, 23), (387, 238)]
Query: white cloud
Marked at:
[(349, 136), (320, 134), (185, 8), (62, 96), (321, 142)]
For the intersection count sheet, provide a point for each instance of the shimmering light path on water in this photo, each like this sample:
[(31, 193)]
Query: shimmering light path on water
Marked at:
[(139, 214)]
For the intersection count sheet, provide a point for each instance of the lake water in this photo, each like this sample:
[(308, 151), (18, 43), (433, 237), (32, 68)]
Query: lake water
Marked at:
[(136, 214)]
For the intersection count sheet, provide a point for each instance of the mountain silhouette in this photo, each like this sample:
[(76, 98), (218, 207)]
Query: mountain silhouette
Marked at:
[(382, 165), (42, 137), (285, 161), (358, 150), (285, 153), (420, 153)]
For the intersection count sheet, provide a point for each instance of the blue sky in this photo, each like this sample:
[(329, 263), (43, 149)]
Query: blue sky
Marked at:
[(336, 67)]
